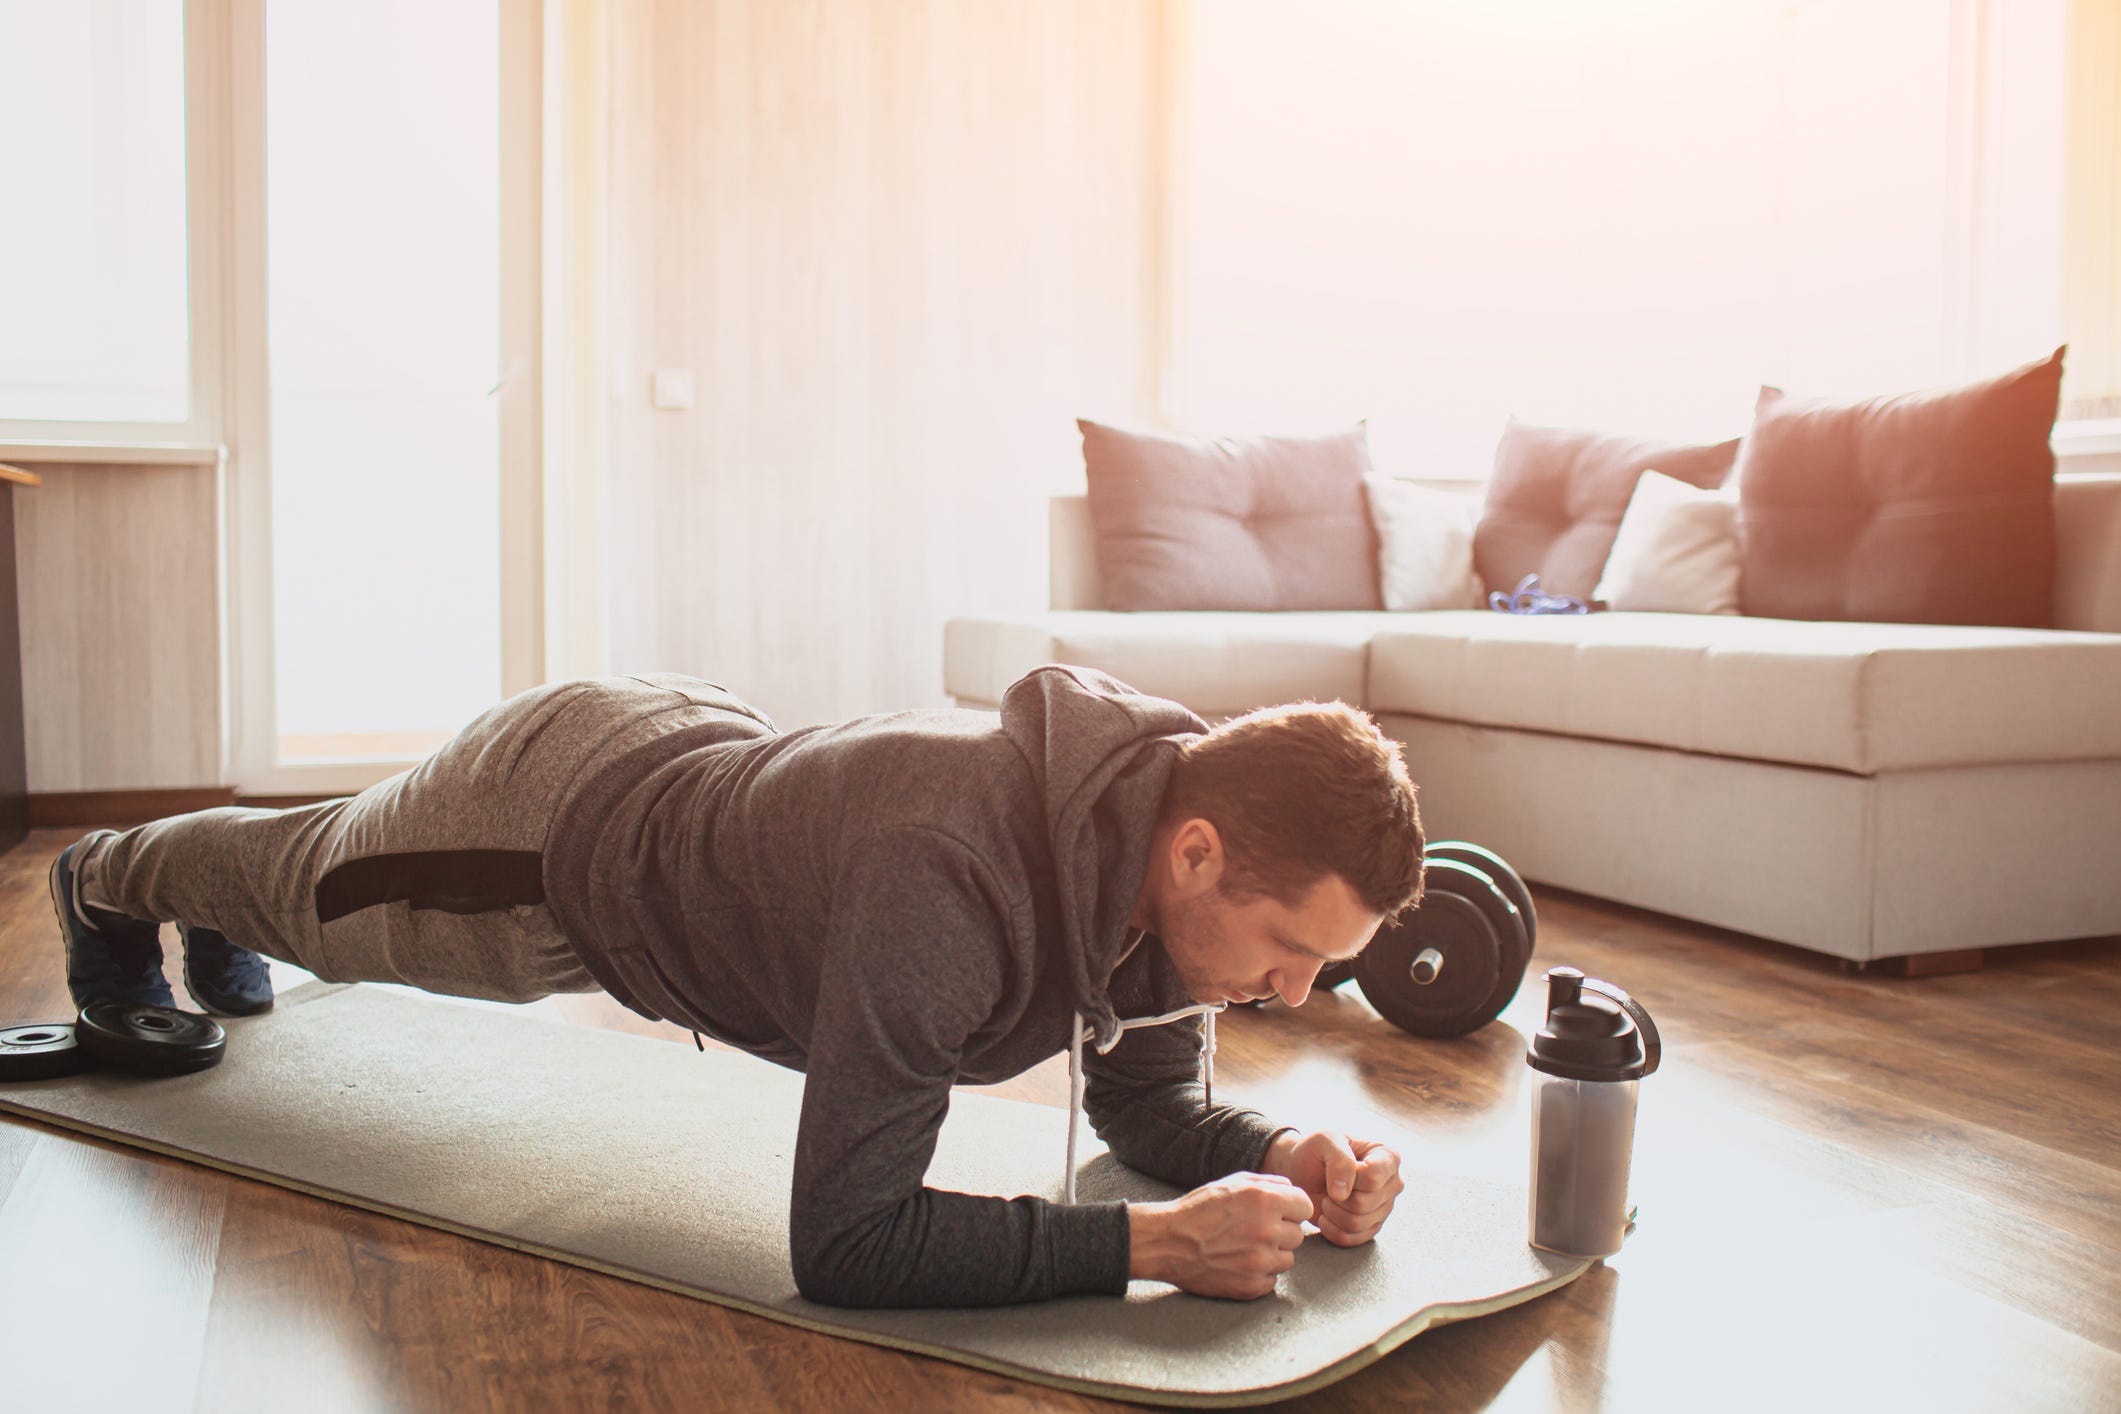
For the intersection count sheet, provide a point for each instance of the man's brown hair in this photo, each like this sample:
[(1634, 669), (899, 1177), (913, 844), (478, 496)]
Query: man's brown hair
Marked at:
[(1302, 791)]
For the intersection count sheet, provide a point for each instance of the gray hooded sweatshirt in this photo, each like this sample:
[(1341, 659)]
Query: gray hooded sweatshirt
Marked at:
[(895, 905)]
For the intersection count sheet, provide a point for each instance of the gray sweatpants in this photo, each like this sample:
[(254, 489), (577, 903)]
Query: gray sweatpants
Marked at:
[(452, 843)]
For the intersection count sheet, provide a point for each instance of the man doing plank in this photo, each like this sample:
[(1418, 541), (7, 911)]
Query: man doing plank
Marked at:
[(891, 905)]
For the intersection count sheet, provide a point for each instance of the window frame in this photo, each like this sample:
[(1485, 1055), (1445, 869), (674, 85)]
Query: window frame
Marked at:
[(197, 436)]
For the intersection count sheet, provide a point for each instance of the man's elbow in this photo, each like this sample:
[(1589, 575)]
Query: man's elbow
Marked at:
[(828, 1286), (825, 1273)]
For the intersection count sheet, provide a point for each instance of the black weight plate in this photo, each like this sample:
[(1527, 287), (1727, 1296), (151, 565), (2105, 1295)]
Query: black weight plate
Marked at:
[(1498, 869), (1449, 876), (1333, 974), (1459, 999), (151, 1040), (41, 1050)]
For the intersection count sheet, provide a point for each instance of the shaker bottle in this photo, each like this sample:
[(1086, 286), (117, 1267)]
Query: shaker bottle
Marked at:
[(1596, 1044)]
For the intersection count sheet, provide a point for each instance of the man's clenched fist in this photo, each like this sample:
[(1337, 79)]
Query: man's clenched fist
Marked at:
[(1352, 1183), (1229, 1238)]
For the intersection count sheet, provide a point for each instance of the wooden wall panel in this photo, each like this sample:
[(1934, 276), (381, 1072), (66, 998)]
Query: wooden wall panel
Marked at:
[(121, 651), (902, 246)]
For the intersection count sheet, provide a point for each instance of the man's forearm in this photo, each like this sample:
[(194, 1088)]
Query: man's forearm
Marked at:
[(941, 1248), (1168, 1132)]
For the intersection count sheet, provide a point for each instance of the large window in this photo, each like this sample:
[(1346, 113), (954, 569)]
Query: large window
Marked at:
[(1438, 215), (93, 291), (383, 233), (305, 235)]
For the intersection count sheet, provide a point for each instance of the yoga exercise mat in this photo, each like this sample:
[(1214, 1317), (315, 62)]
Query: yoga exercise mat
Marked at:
[(660, 1164)]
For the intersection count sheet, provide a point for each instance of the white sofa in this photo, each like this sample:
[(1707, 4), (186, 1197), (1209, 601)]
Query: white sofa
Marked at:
[(1869, 791)]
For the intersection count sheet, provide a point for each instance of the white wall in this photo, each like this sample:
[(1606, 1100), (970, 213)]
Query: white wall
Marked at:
[(1436, 215)]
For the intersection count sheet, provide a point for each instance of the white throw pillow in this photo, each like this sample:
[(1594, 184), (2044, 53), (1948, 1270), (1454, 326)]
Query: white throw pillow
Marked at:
[(1424, 545), (1676, 553)]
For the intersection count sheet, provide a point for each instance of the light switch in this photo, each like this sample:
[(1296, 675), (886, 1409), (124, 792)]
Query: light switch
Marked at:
[(673, 388)]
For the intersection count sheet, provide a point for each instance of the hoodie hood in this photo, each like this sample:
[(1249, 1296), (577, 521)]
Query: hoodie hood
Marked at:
[(1101, 754)]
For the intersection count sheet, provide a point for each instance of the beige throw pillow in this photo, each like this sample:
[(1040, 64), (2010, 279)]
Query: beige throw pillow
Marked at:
[(1235, 523), (1676, 552), (1424, 545), (1557, 494)]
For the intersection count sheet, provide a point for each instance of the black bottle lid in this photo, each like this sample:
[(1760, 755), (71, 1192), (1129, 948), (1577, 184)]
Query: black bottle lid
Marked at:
[(1593, 1031)]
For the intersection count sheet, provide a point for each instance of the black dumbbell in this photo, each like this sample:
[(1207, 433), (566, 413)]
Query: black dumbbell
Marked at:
[(1450, 966)]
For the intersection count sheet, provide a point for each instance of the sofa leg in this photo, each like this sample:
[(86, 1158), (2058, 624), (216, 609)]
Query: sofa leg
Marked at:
[(1934, 964)]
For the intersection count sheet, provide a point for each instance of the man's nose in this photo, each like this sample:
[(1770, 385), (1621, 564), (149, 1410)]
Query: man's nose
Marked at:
[(1292, 986)]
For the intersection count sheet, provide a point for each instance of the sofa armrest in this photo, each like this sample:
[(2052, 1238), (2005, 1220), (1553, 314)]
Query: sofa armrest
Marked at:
[(2088, 553), (1072, 579)]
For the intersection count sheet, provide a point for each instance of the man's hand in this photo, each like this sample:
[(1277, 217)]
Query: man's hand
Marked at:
[(1352, 1182), (1229, 1238)]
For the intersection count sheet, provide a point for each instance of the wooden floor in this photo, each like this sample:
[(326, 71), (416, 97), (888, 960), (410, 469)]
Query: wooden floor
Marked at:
[(1856, 1193)]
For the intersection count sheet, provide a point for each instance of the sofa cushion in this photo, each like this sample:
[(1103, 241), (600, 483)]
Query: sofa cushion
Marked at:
[(1557, 495), (1933, 507), (1217, 664), (1272, 523), (1865, 698), (1676, 553), (1424, 545)]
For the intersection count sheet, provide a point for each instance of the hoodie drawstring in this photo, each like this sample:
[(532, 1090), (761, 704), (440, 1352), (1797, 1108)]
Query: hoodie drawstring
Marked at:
[(1075, 1103), (1207, 1064), (1081, 1033)]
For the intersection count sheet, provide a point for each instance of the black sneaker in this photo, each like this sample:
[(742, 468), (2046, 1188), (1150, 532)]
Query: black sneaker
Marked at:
[(224, 978), (109, 957)]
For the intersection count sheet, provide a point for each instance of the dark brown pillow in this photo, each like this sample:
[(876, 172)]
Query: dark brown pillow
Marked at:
[(1233, 523), (1558, 493), (1933, 507)]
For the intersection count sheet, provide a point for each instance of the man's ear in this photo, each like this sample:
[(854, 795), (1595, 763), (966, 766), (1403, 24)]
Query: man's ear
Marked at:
[(1197, 855)]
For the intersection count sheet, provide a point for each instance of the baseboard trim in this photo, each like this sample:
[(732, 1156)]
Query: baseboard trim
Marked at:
[(57, 809)]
